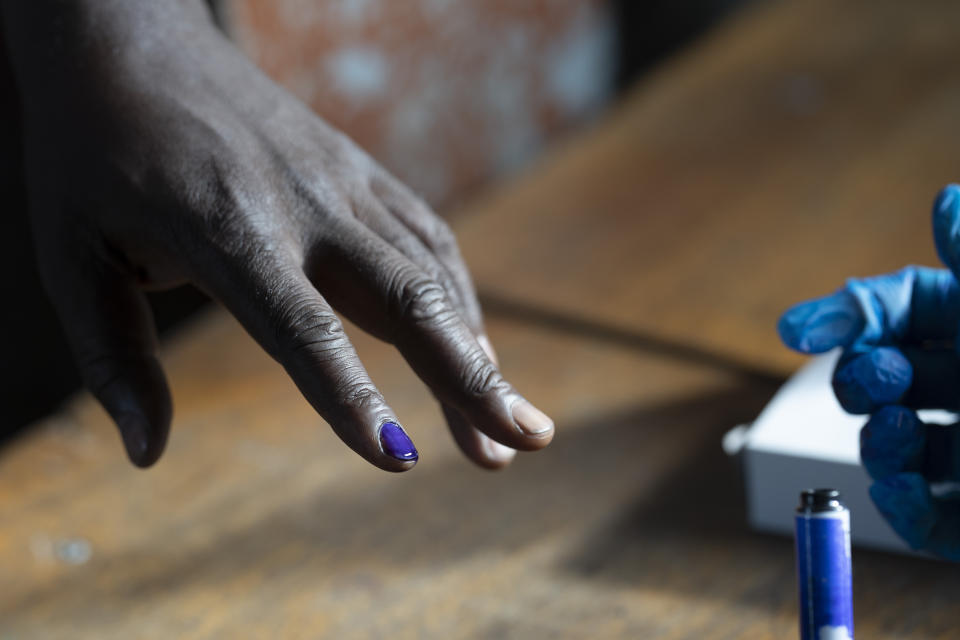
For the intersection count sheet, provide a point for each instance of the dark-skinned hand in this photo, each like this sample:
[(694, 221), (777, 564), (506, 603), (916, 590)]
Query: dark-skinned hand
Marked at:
[(157, 154)]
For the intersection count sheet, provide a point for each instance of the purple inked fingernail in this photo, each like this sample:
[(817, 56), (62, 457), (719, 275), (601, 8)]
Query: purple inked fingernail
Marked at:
[(396, 443)]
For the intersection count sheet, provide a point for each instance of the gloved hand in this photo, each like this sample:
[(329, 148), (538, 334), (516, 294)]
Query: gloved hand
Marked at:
[(157, 154), (899, 338)]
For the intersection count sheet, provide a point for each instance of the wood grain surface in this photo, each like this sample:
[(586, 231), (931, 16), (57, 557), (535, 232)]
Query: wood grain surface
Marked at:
[(631, 282)]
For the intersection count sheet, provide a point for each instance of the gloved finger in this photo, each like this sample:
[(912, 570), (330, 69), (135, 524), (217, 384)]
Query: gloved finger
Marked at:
[(866, 378), (946, 226), (925, 521), (109, 327), (821, 324), (272, 298), (383, 292), (894, 440), (911, 306)]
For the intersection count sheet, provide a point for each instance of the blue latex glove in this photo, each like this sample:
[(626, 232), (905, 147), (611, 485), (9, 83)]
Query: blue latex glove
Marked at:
[(900, 353)]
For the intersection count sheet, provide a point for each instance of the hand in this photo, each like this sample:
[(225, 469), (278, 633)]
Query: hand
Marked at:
[(156, 154), (899, 338)]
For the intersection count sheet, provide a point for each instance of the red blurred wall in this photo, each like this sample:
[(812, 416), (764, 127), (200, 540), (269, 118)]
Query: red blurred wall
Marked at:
[(445, 93)]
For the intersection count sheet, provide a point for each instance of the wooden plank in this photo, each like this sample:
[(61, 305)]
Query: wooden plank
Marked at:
[(802, 143)]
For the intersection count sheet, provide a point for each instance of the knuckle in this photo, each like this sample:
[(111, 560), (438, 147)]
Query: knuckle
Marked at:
[(225, 220), (480, 376), (358, 392), (420, 299), (306, 330)]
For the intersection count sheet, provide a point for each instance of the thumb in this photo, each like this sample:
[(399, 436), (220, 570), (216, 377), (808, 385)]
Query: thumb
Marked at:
[(109, 328)]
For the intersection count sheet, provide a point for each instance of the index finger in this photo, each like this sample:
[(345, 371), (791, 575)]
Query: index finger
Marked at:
[(275, 302)]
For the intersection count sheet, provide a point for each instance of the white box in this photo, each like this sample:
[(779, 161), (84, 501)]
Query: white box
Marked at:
[(804, 439)]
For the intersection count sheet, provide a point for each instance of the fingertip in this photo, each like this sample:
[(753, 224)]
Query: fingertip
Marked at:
[(866, 380), (945, 197), (397, 447), (816, 326), (490, 454), (497, 455), (905, 501), (892, 441), (946, 225), (143, 441), (138, 400)]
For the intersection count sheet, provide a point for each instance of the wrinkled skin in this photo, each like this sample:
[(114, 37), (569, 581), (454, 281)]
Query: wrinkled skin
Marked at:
[(899, 336), (156, 154)]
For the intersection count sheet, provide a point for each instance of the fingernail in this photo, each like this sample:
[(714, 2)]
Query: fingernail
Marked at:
[(819, 325), (396, 443), (488, 348), (497, 451), (134, 431), (905, 501), (531, 420), (875, 378)]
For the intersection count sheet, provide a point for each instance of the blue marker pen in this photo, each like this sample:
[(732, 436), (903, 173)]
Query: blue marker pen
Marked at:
[(823, 566)]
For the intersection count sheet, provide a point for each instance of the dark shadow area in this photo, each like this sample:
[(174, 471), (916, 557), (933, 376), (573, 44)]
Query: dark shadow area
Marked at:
[(585, 478), (652, 30), (643, 498)]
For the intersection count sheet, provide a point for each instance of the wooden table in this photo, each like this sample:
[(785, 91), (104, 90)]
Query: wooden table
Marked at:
[(632, 282)]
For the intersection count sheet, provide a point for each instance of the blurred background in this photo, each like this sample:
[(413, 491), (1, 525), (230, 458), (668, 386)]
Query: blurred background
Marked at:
[(449, 95)]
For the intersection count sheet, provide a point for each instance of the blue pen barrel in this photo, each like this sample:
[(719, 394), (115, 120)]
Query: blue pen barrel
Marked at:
[(824, 576)]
